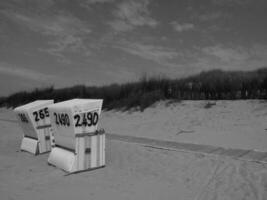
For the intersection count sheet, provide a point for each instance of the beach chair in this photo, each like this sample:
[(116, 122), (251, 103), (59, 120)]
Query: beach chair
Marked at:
[(34, 120), (79, 145)]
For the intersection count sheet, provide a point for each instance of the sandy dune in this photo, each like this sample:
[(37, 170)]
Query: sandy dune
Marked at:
[(230, 124), (140, 171)]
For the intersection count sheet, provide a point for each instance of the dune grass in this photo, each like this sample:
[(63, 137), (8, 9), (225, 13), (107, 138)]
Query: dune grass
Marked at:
[(209, 85)]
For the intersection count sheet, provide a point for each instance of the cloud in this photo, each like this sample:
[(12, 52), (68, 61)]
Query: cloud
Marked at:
[(259, 51), (65, 32), (231, 2), (98, 1), (89, 3), (154, 53), (210, 16), (38, 5), (121, 26), (130, 14), (24, 73), (232, 58), (227, 54), (182, 27)]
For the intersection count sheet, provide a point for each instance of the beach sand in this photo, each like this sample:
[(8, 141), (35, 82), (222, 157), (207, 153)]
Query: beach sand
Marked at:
[(230, 124), (139, 171)]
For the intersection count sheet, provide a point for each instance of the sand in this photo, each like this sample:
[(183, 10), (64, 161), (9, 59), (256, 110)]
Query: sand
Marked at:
[(230, 124), (139, 171)]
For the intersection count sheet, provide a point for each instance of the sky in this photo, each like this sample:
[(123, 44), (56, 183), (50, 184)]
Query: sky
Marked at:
[(97, 42)]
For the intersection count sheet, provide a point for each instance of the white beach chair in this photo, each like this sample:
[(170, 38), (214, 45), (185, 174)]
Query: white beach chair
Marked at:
[(35, 122), (78, 144)]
